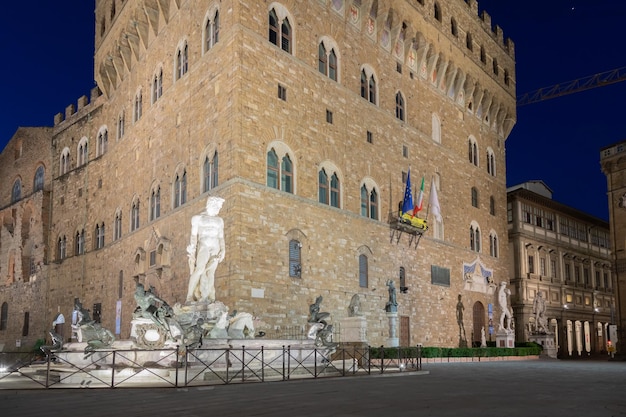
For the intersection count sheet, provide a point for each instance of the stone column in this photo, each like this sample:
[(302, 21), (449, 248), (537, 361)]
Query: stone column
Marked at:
[(393, 340)]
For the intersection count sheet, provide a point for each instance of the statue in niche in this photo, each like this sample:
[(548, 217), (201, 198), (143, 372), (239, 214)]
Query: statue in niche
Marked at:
[(483, 338), (392, 303), (539, 310), (206, 250), (503, 294), (354, 309)]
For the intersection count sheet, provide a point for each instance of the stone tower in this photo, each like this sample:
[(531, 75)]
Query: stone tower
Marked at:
[(613, 162)]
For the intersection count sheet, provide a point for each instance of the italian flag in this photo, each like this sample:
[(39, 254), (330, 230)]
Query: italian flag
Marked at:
[(420, 199)]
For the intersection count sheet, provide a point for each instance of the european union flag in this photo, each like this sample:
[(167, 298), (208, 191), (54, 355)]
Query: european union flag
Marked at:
[(407, 203)]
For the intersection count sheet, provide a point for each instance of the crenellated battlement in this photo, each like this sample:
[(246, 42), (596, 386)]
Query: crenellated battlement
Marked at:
[(82, 103), (496, 31)]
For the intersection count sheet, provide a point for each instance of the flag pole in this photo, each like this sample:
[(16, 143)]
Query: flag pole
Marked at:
[(414, 193), (429, 198)]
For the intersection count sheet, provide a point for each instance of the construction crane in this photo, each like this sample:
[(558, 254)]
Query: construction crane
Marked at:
[(586, 83)]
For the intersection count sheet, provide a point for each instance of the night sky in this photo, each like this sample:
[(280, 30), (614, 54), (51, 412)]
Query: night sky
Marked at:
[(47, 51)]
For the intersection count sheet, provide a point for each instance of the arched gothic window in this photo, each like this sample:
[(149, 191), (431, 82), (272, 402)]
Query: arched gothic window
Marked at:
[(363, 271), (368, 87), (327, 61), (295, 262), (182, 61), (210, 170), (155, 204), (39, 179), (369, 202), (493, 245), (212, 31), (475, 238), (280, 31), (180, 189), (400, 115), (16, 191), (134, 216), (279, 177)]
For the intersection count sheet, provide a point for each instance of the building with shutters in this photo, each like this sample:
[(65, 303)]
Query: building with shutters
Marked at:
[(565, 255)]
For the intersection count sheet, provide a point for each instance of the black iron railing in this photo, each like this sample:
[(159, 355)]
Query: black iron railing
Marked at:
[(179, 367)]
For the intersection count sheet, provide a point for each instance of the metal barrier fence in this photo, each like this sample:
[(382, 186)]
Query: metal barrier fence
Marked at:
[(198, 367)]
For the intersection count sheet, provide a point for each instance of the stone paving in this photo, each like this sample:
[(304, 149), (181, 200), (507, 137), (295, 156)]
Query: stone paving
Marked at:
[(505, 389)]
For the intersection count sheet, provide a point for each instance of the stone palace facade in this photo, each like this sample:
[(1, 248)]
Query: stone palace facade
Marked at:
[(305, 116)]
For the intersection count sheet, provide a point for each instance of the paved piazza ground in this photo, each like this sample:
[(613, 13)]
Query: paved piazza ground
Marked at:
[(504, 389)]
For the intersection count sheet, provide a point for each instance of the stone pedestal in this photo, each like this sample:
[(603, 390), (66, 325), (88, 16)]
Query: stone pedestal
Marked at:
[(393, 340), (353, 329), (547, 340), (505, 339)]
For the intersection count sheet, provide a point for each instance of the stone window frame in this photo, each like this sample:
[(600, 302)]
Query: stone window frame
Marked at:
[(469, 43), (82, 150), (61, 247), (400, 106), (157, 85), (363, 271), (99, 236), (138, 106), (155, 202), (102, 143), (4, 316), (472, 151), (39, 178), (26, 325), (79, 242), (475, 238), (436, 128), (210, 171), (64, 161), (454, 27), (363, 260), (437, 12), (491, 162), (121, 121), (117, 225), (281, 26), (181, 60), (331, 171), (210, 34), (494, 249), (135, 214), (328, 58), (369, 84), (475, 197), (16, 190), (180, 195), (281, 151), (295, 258), (370, 199)]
